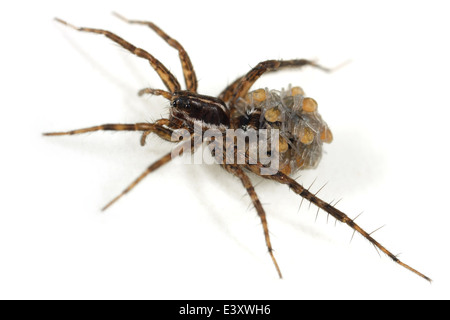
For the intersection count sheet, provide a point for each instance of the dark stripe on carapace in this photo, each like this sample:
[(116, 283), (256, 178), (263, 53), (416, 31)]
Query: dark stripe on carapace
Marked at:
[(209, 110)]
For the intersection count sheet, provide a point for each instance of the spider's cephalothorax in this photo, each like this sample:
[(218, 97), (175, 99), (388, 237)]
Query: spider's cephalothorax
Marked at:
[(191, 107), (302, 130)]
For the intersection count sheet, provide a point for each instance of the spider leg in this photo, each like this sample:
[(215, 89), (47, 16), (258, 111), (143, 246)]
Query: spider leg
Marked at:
[(157, 128), (154, 166), (156, 92), (188, 70), (166, 76), (240, 87), (339, 215), (157, 164), (166, 135), (238, 172)]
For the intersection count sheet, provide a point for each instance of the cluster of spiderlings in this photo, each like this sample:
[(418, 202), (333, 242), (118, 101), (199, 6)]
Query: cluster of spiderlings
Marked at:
[(301, 128)]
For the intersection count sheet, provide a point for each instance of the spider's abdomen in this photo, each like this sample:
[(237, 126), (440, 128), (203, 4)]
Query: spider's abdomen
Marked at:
[(191, 107), (301, 128)]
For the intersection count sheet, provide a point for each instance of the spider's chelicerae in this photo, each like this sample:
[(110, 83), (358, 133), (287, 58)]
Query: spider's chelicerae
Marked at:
[(287, 115)]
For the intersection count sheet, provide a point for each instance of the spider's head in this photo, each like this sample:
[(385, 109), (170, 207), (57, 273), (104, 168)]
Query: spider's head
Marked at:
[(191, 107)]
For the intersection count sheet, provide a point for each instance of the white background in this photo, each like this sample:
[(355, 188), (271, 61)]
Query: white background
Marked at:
[(188, 231)]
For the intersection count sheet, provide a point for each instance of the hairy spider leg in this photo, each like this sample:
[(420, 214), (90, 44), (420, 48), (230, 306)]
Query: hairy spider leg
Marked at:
[(238, 172), (337, 214), (179, 150), (157, 128), (160, 122), (188, 70), (166, 76), (156, 92), (240, 87), (155, 165)]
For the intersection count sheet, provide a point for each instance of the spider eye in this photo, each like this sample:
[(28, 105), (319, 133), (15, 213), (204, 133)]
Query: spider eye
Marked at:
[(181, 102)]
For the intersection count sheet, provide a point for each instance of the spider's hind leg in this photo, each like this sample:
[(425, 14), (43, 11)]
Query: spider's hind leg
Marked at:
[(333, 211), (238, 172)]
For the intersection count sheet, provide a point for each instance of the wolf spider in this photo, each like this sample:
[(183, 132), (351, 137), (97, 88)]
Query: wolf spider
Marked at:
[(224, 113)]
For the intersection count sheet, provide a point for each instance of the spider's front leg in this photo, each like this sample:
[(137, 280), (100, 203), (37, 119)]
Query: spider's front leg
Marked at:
[(238, 172), (188, 69), (177, 152), (166, 76)]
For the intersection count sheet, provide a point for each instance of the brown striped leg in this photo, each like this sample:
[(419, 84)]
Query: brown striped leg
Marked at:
[(168, 78), (188, 70), (238, 172), (166, 122), (156, 92), (157, 128), (155, 165), (339, 215), (165, 134), (240, 87)]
